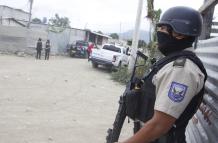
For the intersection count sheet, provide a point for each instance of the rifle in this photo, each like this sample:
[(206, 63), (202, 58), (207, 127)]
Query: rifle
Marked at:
[(113, 134)]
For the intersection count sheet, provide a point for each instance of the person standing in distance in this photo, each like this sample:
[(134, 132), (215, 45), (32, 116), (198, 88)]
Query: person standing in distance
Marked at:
[(176, 81), (47, 49), (89, 50), (38, 48)]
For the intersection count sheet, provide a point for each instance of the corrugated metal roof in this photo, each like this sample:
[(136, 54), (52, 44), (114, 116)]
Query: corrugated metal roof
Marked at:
[(103, 35)]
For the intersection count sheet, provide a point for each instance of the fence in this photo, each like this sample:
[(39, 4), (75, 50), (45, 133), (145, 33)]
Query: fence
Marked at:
[(203, 128), (60, 40)]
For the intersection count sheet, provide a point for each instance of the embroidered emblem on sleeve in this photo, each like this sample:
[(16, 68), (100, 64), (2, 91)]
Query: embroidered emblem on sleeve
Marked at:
[(177, 91)]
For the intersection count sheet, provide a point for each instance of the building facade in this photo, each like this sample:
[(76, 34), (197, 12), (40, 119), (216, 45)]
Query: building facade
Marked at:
[(12, 17)]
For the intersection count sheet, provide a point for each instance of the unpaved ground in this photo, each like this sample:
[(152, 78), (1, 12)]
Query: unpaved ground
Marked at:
[(63, 100)]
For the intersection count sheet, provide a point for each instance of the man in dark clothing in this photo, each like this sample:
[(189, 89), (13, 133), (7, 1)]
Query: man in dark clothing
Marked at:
[(47, 49), (38, 48)]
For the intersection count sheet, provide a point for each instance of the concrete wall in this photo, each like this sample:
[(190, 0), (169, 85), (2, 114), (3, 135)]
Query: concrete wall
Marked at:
[(59, 41), (8, 22), (12, 41), (33, 34), (19, 39), (15, 39)]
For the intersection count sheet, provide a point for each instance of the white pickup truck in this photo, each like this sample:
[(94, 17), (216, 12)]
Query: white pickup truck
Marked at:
[(111, 56)]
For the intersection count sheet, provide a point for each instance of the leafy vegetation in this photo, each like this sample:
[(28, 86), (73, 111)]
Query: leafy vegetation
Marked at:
[(36, 20), (114, 35), (39, 21), (100, 32), (59, 21), (58, 24), (122, 74)]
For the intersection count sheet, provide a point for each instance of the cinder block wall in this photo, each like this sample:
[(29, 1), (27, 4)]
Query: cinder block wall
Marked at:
[(20, 39)]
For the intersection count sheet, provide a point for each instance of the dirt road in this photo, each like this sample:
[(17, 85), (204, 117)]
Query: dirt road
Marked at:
[(63, 100)]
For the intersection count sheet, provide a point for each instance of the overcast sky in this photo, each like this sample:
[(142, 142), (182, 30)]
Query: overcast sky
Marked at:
[(98, 15)]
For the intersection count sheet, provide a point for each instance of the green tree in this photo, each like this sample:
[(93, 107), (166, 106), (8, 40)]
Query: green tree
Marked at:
[(100, 32), (114, 36), (150, 9), (59, 21), (153, 15), (36, 20)]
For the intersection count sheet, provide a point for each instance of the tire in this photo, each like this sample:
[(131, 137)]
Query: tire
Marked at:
[(110, 68), (94, 65), (72, 55), (86, 55)]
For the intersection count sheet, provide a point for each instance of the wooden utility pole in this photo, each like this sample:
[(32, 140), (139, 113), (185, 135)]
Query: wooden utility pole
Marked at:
[(30, 13), (135, 37)]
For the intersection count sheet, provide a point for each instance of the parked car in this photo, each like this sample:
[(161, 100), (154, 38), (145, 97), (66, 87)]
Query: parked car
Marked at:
[(79, 49), (111, 56)]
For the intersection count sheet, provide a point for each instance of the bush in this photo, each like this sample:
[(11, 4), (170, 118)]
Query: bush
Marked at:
[(121, 75)]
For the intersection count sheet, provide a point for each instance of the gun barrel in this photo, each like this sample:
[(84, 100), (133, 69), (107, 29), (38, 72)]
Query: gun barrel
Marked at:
[(142, 55)]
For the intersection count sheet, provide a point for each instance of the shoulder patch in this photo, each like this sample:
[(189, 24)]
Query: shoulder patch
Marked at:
[(177, 91), (180, 62)]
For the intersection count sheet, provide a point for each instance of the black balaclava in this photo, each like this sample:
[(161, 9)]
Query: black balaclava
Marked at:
[(168, 44)]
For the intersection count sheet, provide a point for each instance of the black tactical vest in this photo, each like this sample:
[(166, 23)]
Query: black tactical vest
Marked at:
[(148, 97)]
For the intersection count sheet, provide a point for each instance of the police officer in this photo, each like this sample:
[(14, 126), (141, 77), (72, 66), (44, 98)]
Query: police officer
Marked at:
[(175, 85), (47, 49), (38, 48)]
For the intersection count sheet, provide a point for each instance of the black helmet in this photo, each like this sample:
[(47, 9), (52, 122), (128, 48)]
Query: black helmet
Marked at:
[(183, 20)]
